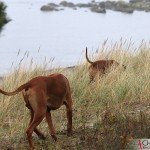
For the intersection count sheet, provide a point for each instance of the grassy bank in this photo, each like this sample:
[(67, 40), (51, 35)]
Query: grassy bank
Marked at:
[(107, 114)]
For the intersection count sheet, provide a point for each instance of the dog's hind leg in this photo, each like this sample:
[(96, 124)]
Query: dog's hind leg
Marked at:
[(37, 118), (50, 125), (37, 131), (37, 102)]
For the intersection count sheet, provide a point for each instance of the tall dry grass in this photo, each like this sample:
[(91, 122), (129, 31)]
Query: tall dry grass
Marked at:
[(107, 114)]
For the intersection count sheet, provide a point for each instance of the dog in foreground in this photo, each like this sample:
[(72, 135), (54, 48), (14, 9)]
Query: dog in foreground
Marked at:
[(41, 95), (100, 67)]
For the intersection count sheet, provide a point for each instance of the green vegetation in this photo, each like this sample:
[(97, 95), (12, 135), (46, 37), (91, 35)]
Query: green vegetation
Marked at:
[(107, 114), (3, 16)]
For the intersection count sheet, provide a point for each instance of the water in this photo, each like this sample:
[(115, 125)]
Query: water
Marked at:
[(63, 34)]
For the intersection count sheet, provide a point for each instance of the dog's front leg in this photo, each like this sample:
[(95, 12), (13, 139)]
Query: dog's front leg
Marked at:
[(68, 105), (69, 118)]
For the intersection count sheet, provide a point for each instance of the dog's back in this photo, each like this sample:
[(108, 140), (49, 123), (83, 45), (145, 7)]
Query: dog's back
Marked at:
[(104, 64), (55, 87)]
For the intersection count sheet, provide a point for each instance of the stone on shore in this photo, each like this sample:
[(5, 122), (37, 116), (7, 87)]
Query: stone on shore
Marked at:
[(118, 6), (98, 9), (67, 4), (141, 5), (48, 8)]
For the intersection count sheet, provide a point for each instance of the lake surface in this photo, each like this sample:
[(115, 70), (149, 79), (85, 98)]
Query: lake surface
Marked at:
[(63, 34)]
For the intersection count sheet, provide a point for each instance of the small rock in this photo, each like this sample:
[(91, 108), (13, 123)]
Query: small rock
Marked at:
[(84, 5), (48, 8), (53, 4), (98, 9), (67, 4)]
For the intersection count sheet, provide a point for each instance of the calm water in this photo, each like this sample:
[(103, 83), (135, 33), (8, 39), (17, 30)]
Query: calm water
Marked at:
[(63, 34)]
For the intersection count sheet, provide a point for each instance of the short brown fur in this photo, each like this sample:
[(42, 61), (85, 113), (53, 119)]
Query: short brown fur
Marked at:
[(41, 95), (100, 67)]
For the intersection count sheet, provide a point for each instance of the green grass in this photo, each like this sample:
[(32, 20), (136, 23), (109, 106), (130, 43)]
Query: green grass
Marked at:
[(107, 114)]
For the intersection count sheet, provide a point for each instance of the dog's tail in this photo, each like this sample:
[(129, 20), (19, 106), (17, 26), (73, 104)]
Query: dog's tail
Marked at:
[(88, 58), (19, 89)]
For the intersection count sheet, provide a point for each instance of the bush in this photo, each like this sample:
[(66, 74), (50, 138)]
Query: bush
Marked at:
[(3, 16)]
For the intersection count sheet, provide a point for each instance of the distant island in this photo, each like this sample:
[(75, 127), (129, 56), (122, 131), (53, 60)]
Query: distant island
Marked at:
[(102, 7)]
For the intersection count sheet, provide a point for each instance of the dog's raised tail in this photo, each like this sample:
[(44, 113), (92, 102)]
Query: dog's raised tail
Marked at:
[(88, 58), (19, 89)]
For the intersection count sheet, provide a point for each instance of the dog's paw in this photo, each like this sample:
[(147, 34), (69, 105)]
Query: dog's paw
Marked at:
[(69, 133), (32, 147), (54, 137), (42, 137)]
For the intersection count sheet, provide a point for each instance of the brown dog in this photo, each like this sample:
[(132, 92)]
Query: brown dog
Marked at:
[(43, 94), (100, 67)]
